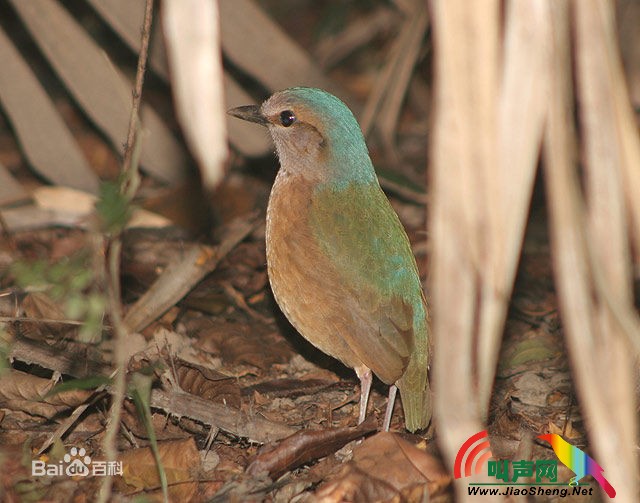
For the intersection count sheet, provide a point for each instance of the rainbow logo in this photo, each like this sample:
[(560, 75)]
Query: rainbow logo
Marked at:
[(473, 455), (578, 462)]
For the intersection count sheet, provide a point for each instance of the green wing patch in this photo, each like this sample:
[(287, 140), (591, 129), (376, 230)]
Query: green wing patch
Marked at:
[(361, 235)]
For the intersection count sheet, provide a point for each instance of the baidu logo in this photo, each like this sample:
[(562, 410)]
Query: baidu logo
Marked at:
[(75, 463)]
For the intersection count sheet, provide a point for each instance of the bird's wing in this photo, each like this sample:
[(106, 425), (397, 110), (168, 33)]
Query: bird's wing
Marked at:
[(359, 232)]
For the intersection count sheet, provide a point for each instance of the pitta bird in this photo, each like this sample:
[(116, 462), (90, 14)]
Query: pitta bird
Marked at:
[(339, 261)]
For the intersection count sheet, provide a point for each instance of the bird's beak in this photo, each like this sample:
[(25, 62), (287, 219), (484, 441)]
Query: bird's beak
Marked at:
[(249, 113)]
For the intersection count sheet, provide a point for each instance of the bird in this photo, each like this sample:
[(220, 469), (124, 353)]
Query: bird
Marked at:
[(339, 261), (578, 462)]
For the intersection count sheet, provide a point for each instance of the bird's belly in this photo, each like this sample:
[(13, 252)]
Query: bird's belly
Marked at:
[(304, 283)]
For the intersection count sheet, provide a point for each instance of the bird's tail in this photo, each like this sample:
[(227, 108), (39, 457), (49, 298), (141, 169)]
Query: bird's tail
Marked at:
[(416, 394), (417, 407), (604, 483)]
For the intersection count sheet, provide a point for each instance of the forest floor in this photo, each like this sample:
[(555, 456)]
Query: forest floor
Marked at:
[(243, 408)]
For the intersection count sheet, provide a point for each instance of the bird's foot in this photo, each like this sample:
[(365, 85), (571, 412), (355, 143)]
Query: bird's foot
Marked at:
[(393, 389), (366, 378)]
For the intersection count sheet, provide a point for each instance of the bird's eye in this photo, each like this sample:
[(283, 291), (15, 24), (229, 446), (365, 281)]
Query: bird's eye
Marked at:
[(287, 118)]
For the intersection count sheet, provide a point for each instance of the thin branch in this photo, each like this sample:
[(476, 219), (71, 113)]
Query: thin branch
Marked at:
[(129, 168), (137, 92)]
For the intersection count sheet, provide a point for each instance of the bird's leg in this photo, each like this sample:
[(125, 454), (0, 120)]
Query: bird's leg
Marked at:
[(366, 377), (389, 412)]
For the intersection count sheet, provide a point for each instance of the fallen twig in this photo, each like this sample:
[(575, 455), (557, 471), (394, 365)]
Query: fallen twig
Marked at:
[(180, 277), (175, 402), (228, 419)]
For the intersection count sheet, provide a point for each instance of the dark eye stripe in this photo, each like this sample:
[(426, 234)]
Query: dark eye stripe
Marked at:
[(287, 118)]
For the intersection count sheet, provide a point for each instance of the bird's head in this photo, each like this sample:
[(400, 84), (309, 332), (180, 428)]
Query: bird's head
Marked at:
[(315, 134)]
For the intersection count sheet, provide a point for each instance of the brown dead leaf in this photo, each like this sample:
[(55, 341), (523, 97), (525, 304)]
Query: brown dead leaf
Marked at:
[(26, 392), (11, 191), (180, 459), (207, 383), (232, 460), (99, 87), (247, 260), (567, 431), (39, 305), (44, 137), (13, 474), (530, 397), (352, 484), (253, 350), (405, 463), (406, 474)]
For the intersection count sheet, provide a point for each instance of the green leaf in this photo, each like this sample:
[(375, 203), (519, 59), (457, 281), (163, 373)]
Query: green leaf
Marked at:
[(76, 384), (140, 390), (5, 350), (113, 207), (75, 307)]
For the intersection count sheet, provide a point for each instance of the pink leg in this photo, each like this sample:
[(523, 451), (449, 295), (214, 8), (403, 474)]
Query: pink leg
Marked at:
[(389, 412), (366, 378)]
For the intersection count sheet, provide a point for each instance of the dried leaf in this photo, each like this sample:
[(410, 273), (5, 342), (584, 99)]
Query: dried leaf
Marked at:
[(39, 305), (10, 189), (353, 484), (404, 465), (68, 207), (269, 54), (407, 473), (180, 459), (482, 184), (101, 90), (192, 35), (207, 383), (591, 238), (81, 205), (22, 391), (126, 16), (43, 135)]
